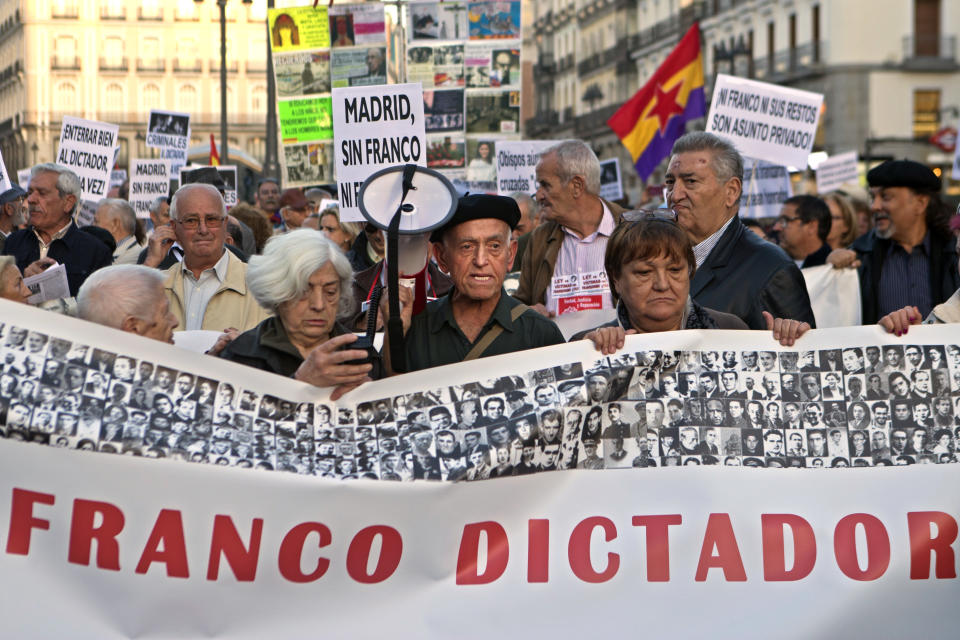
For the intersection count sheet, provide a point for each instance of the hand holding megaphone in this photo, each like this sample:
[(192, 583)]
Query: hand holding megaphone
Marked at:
[(406, 306)]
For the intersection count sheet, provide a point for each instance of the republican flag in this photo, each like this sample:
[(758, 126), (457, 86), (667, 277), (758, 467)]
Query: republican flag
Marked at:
[(651, 121), (214, 156)]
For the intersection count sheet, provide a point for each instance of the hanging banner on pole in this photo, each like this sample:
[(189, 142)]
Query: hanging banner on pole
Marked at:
[(765, 121)]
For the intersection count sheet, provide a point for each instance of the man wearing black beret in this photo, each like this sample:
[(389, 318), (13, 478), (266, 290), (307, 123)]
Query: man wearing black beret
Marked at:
[(476, 318), (910, 259)]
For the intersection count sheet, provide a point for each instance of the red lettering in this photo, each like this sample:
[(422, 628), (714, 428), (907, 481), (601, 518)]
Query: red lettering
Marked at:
[(168, 530), (498, 552), (22, 522), (358, 554), (83, 533), (922, 544), (291, 552), (578, 551), (225, 540), (658, 544), (538, 550), (774, 552), (720, 535), (845, 546)]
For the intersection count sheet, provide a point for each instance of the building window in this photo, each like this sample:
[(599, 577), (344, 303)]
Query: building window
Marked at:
[(258, 100), (926, 112), (150, 98), (187, 55), (114, 108), (65, 53), (187, 99), (65, 99), (112, 54), (926, 28)]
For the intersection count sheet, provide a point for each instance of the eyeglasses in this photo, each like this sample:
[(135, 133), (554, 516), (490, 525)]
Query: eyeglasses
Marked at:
[(193, 222), (784, 220), (639, 215)]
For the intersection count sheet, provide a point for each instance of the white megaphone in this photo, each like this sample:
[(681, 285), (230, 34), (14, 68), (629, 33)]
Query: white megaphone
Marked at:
[(407, 202)]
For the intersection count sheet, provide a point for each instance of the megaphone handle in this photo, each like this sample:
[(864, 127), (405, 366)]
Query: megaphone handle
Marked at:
[(398, 360)]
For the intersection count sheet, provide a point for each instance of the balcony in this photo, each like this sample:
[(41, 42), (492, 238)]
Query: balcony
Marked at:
[(254, 66), (155, 65), (542, 122), (566, 62), (789, 64), (186, 14), (232, 65), (190, 66), (113, 13), (930, 53), (546, 64), (65, 63), (601, 59), (155, 14), (113, 64), (64, 11), (594, 122)]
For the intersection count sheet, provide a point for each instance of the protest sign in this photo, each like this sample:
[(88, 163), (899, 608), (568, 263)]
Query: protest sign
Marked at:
[(115, 544), (516, 164), (838, 171), (765, 187), (490, 111), (149, 180), (611, 185), (87, 147), (295, 28), (307, 164), (305, 120), (437, 21), (302, 73), (358, 66), (4, 176), (23, 178), (169, 131), (228, 173), (494, 20), (356, 24), (375, 127), (765, 121), (49, 284)]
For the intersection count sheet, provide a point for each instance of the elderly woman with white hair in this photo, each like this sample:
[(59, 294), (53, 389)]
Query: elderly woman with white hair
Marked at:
[(11, 281), (304, 279)]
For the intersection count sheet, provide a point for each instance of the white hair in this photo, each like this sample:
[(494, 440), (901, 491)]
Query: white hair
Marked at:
[(576, 158), (282, 272), (155, 205), (68, 184), (112, 294), (187, 189), (117, 209)]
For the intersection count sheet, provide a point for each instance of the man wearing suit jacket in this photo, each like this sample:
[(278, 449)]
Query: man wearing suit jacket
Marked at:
[(737, 272)]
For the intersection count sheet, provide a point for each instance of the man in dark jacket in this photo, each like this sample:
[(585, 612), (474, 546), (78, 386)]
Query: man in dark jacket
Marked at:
[(804, 225), (737, 272), (911, 258), (52, 237)]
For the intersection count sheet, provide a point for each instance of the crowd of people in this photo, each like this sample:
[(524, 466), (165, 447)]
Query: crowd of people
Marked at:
[(287, 284)]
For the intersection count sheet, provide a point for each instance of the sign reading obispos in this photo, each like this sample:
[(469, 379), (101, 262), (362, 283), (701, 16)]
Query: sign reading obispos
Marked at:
[(375, 127), (517, 163), (765, 121)]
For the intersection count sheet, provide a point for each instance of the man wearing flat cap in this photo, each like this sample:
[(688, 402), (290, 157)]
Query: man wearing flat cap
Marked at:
[(11, 211), (476, 318), (910, 260)]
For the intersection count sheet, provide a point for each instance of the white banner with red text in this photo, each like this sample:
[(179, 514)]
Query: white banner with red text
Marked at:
[(114, 547)]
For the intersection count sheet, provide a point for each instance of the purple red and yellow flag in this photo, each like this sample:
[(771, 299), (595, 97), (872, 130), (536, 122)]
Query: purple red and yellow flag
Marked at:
[(651, 121)]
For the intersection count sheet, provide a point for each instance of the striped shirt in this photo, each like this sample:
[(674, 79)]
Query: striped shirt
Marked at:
[(583, 255), (905, 279), (702, 251)]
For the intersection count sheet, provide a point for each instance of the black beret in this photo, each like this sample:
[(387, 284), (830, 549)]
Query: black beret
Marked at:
[(478, 206), (904, 173)]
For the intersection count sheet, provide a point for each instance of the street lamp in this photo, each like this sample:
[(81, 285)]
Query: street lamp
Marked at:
[(224, 153), (592, 94)]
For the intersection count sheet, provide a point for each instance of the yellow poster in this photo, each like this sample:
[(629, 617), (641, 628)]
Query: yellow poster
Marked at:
[(299, 28)]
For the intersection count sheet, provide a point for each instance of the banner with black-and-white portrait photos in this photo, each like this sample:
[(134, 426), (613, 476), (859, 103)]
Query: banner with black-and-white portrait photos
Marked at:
[(682, 398)]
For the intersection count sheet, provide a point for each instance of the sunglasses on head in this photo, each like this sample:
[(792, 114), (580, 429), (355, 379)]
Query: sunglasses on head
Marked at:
[(663, 215)]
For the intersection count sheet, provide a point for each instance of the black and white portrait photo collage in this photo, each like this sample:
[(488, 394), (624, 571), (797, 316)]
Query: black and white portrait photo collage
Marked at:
[(857, 406)]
